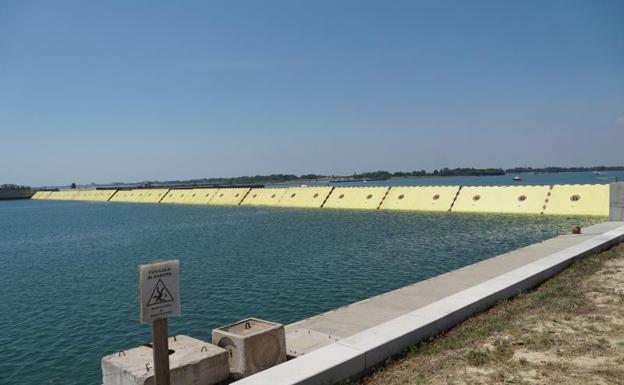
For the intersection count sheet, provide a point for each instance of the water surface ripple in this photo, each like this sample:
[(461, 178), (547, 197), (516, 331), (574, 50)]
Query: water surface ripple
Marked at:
[(69, 282)]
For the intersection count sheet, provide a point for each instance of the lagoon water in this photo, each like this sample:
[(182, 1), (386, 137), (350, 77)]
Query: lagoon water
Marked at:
[(69, 269)]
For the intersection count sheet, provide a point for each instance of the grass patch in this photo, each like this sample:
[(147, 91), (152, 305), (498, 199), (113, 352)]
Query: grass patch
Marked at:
[(556, 329)]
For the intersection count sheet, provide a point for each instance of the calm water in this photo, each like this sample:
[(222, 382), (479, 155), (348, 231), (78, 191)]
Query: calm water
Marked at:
[(69, 281)]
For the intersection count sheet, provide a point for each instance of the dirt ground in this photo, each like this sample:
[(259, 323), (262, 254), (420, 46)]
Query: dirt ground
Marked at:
[(568, 331)]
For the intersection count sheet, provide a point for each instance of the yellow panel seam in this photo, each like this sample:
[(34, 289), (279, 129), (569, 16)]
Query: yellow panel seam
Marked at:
[(383, 198), (247, 193), (327, 197), (455, 198)]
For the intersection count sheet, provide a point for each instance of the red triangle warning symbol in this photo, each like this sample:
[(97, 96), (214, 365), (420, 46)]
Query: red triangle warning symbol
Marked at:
[(160, 294)]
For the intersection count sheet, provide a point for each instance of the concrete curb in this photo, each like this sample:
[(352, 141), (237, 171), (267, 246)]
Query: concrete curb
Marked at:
[(354, 355)]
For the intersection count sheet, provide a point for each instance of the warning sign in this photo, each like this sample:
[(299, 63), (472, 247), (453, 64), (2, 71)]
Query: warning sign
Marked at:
[(160, 294), (159, 288)]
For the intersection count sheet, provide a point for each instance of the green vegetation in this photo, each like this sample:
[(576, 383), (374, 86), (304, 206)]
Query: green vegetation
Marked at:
[(13, 187), (570, 330), (518, 170)]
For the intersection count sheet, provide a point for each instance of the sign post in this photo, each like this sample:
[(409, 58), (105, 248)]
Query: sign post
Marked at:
[(159, 287)]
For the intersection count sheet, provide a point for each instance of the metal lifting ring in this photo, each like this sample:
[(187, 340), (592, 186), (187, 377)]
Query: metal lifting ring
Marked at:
[(247, 325), (147, 367), (204, 349)]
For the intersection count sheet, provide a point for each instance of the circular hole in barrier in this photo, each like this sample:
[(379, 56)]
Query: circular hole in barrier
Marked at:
[(476, 197), (255, 195), (193, 195), (293, 195), (522, 198), (272, 196), (221, 195), (315, 195), (436, 197), (401, 196), (181, 195), (369, 196), (575, 198), (341, 196), (206, 196), (236, 196)]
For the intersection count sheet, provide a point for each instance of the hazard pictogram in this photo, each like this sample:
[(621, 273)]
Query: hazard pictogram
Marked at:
[(160, 294)]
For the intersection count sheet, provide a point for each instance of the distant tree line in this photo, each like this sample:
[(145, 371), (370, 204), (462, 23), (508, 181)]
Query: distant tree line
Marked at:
[(241, 180), (518, 170), (13, 187), (372, 175)]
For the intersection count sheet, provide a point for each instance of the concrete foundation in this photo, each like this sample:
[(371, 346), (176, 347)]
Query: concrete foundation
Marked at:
[(253, 345), (191, 361)]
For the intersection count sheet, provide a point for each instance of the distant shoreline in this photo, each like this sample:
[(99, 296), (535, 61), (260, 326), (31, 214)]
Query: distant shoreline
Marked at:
[(358, 177)]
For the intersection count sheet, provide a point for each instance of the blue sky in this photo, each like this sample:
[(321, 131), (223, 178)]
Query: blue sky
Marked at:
[(141, 90)]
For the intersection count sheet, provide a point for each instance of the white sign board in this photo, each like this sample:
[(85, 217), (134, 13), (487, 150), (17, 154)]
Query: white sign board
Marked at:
[(159, 286)]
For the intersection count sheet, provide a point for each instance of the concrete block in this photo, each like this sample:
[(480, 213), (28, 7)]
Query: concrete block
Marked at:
[(253, 345), (191, 361), (616, 201), (324, 366), (389, 338)]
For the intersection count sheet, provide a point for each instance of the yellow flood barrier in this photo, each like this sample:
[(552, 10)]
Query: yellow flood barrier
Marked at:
[(179, 196), (122, 196), (576, 199), (229, 196), (103, 195), (420, 198), (502, 199), (305, 196), (139, 195), (63, 195), (356, 198), (45, 194), (153, 195), (264, 197), (202, 196), (82, 195), (41, 195), (92, 195)]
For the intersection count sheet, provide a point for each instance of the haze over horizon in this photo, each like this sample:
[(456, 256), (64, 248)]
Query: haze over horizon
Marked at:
[(116, 91)]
